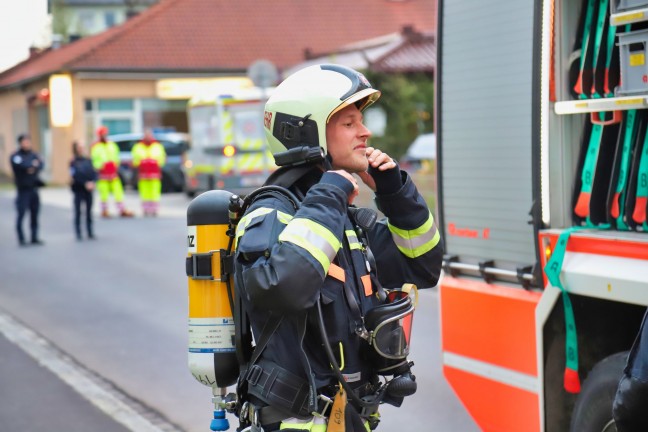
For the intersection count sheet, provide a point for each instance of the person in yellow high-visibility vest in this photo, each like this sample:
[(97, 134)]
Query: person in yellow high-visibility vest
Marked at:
[(105, 159), (149, 157)]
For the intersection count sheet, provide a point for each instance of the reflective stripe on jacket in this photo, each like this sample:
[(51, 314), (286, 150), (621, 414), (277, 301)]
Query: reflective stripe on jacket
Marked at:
[(149, 159), (105, 159)]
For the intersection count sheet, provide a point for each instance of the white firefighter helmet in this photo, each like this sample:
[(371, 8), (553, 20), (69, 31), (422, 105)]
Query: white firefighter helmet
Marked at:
[(300, 107)]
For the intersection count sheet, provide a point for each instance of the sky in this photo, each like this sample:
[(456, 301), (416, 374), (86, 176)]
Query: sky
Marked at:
[(23, 23)]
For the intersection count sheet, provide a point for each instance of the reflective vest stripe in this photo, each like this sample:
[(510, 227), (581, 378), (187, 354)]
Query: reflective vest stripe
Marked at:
[(316, 424), (314, 238), (353, 239), (416, 242), (284, 218)]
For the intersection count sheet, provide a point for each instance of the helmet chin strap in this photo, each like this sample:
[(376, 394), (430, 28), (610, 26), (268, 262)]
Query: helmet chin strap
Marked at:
[(328, 162)]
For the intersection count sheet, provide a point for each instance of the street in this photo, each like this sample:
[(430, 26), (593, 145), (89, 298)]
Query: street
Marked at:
[(116, 308)]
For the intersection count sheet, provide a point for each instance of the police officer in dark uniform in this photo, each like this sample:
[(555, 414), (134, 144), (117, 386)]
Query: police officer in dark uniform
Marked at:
[(26, 165), (83, 182), (319, 262)]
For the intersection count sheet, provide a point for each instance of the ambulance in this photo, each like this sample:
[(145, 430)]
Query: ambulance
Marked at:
[(228, 147), (542, 153)]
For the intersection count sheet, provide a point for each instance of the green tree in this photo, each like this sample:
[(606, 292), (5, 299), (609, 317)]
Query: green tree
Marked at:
[(408, 101)]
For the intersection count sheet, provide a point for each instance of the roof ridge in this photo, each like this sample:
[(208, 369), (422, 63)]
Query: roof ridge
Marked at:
[(123, 29), (408, 39)]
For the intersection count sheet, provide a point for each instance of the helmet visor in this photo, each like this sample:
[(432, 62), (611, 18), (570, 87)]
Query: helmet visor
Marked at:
[(391, 338), (366, 97)]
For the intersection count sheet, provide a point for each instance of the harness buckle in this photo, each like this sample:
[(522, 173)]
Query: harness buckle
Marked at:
[(254, 374), (215, 265), (327, 403)]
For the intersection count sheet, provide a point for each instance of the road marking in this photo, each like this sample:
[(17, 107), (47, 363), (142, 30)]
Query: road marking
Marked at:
[(97, 391)]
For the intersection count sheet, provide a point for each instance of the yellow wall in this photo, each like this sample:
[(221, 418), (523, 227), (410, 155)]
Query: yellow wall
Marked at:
[(9, 103), (18, 114)]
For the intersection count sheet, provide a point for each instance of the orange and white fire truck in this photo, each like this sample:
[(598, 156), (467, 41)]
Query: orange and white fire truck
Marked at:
[(542, 132)]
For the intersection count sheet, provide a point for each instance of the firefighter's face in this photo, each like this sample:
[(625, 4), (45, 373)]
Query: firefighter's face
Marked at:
[(346, 138)]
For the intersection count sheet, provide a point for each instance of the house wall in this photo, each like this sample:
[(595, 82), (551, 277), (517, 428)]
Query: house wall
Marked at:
[(18, 115), (13, 117)]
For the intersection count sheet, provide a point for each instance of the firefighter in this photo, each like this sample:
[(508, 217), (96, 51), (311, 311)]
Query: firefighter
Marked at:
[(149, 157), (631, 398), (291, 259), (105, 159)]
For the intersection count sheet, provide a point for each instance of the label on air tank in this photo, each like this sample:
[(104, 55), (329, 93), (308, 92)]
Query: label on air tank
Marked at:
[(191, 239), (211, 335)]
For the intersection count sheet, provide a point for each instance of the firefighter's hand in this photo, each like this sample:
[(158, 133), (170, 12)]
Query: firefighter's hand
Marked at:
[(377, 161), (353, 181)]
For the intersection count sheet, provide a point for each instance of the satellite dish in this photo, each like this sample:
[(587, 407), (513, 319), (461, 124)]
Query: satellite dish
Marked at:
[(263, 73)]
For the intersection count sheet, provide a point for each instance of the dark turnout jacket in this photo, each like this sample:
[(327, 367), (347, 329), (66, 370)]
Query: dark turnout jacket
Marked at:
[(288, 259)]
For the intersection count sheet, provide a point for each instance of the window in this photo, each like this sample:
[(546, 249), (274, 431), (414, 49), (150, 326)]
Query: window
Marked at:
[(86, 21), (118, 126), (115, 104), (109, 19)]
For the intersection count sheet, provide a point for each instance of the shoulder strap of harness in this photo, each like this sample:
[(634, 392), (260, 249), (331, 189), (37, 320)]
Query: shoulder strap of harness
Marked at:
[(252, 369)]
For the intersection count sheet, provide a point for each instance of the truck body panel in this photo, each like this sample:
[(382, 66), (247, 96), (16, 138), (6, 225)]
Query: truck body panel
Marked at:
[(530, 139)]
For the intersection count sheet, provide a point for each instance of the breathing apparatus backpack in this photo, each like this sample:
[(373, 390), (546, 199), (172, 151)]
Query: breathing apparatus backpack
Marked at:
[(220, 344)]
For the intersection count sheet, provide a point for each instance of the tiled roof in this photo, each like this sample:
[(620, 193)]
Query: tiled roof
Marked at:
[(227, 35), (408, 51), (416, 54)]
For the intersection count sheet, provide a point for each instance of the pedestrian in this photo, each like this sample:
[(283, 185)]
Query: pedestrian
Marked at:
[(84, 178), (149, 157), (105, 159), (326, 261), (630, 408), (26, 165)]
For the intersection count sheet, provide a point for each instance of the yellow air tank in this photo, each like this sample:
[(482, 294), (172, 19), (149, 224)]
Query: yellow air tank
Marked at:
[(212, 353)]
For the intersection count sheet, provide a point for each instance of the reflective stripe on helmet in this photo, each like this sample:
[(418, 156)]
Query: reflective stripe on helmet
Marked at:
[(416, 242), (314, 238)]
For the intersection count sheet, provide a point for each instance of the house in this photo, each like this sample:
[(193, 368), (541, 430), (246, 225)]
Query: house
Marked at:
[(72, 19), (406, 51), (141, 73)]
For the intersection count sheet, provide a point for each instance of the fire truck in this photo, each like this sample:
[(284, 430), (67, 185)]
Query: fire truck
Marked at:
[(228, 147), (542, 153)]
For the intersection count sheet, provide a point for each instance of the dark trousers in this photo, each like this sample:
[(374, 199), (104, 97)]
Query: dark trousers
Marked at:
[(83, 197), (27, 199)]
